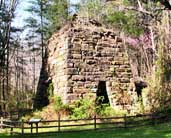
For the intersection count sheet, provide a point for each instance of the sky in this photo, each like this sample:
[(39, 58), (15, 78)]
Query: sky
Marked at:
[(21, 14)]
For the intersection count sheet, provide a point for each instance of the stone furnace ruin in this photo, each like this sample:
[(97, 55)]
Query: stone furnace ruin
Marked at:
[(84, 57)]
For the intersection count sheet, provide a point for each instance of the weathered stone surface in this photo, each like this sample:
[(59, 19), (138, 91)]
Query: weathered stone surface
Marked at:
[(72, 71), (82, 56), (78, 78), (70, 65)]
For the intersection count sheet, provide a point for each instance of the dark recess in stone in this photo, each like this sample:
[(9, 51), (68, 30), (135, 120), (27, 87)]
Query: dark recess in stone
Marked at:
[(139, 87), (102, 92)]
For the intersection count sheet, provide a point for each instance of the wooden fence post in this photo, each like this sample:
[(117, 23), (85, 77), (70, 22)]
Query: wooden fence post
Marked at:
[(37, 127), (153, 120), (10, 115), (31, 124), (18, 116), (11, 132), (22, 126), (125, 121), (59, 122), (95, 122), (1, 122)]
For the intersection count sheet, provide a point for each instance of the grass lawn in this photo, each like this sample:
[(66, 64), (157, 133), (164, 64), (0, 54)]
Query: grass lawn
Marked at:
[(158, 131)]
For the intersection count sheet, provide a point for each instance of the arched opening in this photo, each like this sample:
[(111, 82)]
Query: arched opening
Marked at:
[(102, 97)]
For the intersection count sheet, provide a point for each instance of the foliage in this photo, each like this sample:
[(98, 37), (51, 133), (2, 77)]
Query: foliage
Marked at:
[(87, 107), (55, 107), (35, 25), (50, 90), (7, 42), (57, 14), (105, 110), (126, 22), (145, 105), (49, 16), (92, 9), (111, 15), (58, 104), (159, 90), (83, 108), (140, 107)]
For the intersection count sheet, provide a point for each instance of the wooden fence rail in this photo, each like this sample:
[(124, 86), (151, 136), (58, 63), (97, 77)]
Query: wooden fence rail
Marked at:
[(95, 123)]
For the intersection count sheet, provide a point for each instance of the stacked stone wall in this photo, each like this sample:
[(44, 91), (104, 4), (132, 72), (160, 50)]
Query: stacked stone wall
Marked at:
[(80, 57), (57, 63)]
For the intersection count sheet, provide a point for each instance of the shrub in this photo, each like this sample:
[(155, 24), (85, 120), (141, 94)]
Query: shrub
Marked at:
[(50, 90), (57, 103), (84, 108), (105, 110), (87, 108)]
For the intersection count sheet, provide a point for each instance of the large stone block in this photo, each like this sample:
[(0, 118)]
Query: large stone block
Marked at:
[(70, 65), (72, 71), (78, 78), (76, 56)]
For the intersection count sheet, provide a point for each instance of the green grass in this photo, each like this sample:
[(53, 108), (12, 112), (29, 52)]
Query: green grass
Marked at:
[(158, 131)]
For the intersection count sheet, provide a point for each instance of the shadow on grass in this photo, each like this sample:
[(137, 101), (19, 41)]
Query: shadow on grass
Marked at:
[(147, 132), (159, 131)]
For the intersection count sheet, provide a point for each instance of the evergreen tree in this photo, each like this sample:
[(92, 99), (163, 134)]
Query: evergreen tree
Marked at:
[(46, 18), (57, 14)]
